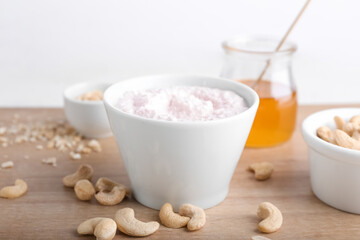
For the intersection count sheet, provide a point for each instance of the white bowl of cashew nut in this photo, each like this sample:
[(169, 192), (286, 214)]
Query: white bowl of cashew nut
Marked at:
[(333, 138), (180, 162), (85, 111)]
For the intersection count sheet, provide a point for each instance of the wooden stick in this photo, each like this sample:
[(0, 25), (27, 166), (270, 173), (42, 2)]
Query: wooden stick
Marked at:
[(281, 42)]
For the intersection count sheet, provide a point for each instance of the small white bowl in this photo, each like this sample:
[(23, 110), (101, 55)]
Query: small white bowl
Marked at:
[(180, 162), (334, 170), (87, 117)]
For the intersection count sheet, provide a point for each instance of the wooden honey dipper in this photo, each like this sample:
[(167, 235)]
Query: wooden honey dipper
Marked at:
[(268, 62)]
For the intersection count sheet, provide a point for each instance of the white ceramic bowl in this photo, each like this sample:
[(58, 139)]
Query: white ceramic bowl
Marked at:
[(334, 170), (179, 162), (87, 117)]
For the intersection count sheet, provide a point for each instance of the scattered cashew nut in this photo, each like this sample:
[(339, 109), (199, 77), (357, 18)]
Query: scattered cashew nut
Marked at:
[(128, 224), (197, 216), (101, 228), (84, 171), (94, 145), (84, 190), (107, 184), (262, 170), (259, 238), (115, 196), (7, 164), (272, 217), (110, 192), (19, 189), (171, 219)]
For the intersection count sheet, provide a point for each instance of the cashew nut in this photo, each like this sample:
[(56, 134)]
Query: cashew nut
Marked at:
[(7, 164), (101, 228), (84, 171), (128, 224), (263, 170), (356, 135), (346, 135), (356, 121), (339, 122), (272, 218), (171, 219), (259, 238), (84, 190), (19, 189), (110, 192), (349, 128), (326, 134), (94, 145), (107, 184), (115, 196), (196, 214), (344, 140)]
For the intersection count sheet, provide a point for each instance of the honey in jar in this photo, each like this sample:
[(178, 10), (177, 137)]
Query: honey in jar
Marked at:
[(276, 116), (245, 61)]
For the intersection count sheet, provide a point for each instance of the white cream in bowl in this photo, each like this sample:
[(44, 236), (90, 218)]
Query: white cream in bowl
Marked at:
[(182, 103), (179, 161)]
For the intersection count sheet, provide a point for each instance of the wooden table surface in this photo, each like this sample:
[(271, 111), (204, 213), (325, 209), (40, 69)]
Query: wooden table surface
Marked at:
[(51, 211)]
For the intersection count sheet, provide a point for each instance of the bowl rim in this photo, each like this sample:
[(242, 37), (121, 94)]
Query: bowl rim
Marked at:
[(84, 84), (243, 114), (330, 150)]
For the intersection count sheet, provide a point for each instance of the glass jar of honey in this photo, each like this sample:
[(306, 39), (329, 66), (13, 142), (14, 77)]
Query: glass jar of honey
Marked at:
[(245, 60)]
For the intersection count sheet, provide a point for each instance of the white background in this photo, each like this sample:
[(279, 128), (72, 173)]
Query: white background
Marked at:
[(46, 45)]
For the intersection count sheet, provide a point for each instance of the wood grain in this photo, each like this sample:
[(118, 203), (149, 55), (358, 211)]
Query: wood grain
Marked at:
[(51, 211)]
